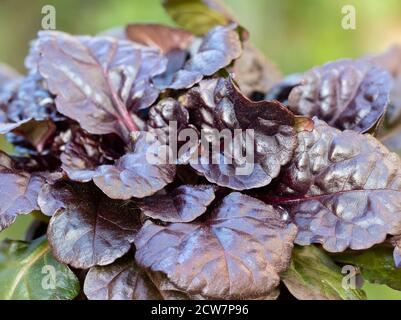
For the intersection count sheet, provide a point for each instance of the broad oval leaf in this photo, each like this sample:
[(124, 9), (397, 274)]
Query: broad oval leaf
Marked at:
[(99, 81), (88, 228), (343, 189), (183, 204), (347, 94), (235, 253), (218, 49), (27, 269), (18, 191), (122, 280), (376, 265), (266, 133), (312, 275), (139, 173)]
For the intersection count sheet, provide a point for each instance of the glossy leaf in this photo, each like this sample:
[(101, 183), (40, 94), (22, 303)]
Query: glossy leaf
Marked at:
[(87, 228), (347, 94), (122, 280), (235, 253), (312, 275), (217, 105), (28, 271), (18, 192), (139, 173), (99, 81), (183, 204), (343, 189), (376, 264), (218, 49)]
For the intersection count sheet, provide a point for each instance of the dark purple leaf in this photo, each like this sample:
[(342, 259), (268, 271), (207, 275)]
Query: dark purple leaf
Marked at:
[(18, 192), (217, 105), (342, 188), (158, 36), (99, 81), (87, 228), (122, 280), (217, 50), (347, 94), (139, 173), (281, 90), (82, 153), (236, 253), (184, 204)]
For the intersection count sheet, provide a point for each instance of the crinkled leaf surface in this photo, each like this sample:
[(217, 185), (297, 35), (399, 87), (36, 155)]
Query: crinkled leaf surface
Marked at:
[(312, 275), (235, 253), (18, 192), (217, 104), (347, 94), (183, 204), (218, 49), (28, 271), (197, 16), (376, 264), (88, 228), (121, 280), (98, 81), (343, 189)]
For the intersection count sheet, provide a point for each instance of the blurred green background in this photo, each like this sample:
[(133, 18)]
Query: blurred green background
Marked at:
[(295, 34)]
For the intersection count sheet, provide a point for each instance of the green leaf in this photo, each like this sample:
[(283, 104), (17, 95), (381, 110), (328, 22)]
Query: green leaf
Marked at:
[(197, 16), (28, 271), (376, 264), (312, 275)]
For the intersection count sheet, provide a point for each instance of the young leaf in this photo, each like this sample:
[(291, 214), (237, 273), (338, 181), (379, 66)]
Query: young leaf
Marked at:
[(218, 49), (99, 81), (197, 16), (28, 271), (122, 280), (343, 189), (376, 264), (184, 204), (312, 275), (87, 228), (217, 104), (347, 94), (18, 192), (235, 253)]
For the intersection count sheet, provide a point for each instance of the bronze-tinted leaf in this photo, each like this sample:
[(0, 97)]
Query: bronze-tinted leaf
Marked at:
[(18, 192), (99, 81), (122, 280), (217, 105), (184, 204), (158, 36), (235, 253), (347, 94), (88, 228), (343, 189), (253, 72), (217, 50)]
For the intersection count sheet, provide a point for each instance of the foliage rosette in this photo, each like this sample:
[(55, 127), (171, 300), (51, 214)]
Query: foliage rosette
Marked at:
[(125, 218)]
